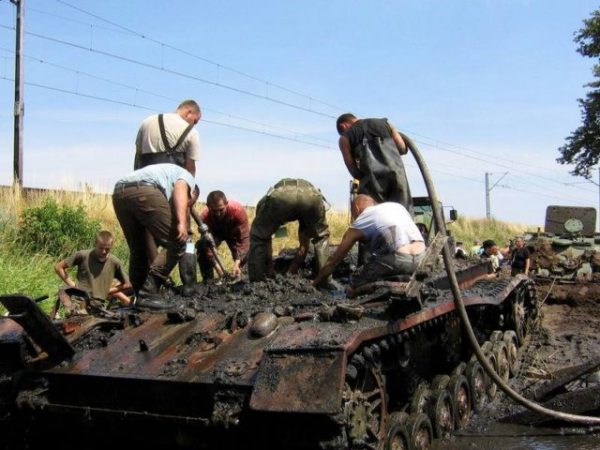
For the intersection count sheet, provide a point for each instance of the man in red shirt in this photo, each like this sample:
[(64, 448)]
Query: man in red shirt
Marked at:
[(227, 221)]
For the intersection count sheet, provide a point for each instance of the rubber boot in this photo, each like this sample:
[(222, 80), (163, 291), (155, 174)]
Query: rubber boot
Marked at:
[(148, 296), (187, 270)]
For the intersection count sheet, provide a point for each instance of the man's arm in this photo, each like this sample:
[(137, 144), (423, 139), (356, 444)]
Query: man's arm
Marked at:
[(181, 197), (344, 144), (59, 268), (190, 165), (240, 240), (124, 283), (304, 240), (400, 144), (350, 237)]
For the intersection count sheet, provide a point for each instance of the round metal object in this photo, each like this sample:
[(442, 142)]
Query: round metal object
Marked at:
[(263, 324), (496, 336), (397, 439), (365, 408), (441, 413), (461, 400), (477, 380), (419, 432), (421, 399), (503, 366), (514, 363), (459, 369), (439, 382), (491, 387)]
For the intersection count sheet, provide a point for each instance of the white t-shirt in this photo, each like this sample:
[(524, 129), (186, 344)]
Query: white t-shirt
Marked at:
[(149, 140), (387, 227)]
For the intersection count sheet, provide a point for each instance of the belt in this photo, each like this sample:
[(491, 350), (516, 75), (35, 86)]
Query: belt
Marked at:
[(293, 182), (138, 184)]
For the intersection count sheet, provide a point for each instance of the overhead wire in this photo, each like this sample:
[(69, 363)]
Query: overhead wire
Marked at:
[(145, 91), (311, 110), (202, 58), (134, 105)]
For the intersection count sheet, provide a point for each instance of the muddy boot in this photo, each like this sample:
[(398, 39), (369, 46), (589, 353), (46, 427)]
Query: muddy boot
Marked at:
[(148, 296), (187, 270)]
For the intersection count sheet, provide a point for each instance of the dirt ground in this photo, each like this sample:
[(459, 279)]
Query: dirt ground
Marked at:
[(569, 336)]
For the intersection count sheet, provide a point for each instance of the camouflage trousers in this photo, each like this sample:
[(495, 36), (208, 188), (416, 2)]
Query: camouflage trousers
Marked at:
[(287, 201)]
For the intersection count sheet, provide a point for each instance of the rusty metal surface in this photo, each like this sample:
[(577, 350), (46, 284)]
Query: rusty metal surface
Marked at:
[(38, 326), (300, 382)]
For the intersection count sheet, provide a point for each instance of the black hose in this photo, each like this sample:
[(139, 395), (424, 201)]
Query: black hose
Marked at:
[(460, 306)]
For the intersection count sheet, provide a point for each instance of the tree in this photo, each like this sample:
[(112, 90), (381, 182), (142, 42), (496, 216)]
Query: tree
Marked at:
[(583, 145)]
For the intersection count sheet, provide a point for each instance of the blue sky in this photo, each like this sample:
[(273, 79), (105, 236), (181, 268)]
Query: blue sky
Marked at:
[(481, 86)]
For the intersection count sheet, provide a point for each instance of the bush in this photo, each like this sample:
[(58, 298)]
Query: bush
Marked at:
[(57, 230)]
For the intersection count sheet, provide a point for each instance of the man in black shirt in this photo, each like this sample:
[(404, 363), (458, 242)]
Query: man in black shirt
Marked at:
[(520, 258), (372, 150)]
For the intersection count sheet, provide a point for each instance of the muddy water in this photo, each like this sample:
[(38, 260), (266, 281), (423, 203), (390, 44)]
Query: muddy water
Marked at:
[(508, 437)]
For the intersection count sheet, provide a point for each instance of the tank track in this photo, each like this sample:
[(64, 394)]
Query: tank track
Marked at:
[(405, 390)]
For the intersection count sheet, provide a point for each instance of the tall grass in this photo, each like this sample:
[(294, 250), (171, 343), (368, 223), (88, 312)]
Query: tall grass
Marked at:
[(22, 271)]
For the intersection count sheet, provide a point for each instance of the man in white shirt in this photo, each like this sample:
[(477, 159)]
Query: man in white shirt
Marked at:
[(395, 244), (170, 138)]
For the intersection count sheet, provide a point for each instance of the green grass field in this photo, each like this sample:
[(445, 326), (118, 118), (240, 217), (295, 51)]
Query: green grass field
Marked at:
[(31, 273)]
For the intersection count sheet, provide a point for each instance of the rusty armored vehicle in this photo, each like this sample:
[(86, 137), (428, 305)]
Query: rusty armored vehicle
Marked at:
[(568, 248), (274, 364)]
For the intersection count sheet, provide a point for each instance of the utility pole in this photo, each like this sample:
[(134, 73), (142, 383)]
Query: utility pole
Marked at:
[(488, 189), (19, 105)]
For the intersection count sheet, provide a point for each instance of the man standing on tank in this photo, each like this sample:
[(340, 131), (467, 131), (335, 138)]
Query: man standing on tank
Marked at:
[(288, 200), (170, 138), (372, 150)]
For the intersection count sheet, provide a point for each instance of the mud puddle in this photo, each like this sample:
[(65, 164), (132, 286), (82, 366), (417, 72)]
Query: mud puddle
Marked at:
[(510, 437)]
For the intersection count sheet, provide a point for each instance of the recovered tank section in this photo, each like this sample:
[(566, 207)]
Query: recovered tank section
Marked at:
[(274, 364), (568, 249)]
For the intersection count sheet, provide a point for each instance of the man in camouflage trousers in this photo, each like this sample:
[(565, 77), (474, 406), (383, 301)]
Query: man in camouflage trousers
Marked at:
[(288, 200)]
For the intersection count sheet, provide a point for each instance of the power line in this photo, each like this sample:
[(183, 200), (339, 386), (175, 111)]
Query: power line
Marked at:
[(268, 98), (497, 164), (175, 72), (144, 91), (201, 58), (134, 105)]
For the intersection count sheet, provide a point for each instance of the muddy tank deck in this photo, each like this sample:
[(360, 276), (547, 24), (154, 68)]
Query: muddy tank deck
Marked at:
[(261, 364)]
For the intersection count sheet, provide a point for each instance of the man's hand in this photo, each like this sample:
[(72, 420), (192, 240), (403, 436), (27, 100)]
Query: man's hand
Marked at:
[(182, 232), (236, 272)]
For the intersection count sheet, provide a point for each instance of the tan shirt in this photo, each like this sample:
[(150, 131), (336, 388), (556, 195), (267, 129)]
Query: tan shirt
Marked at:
[(149, 140), (93, 275)]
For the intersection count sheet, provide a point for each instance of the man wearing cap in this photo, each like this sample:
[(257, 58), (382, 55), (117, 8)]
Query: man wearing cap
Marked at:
[(154, 199), (288, 200)]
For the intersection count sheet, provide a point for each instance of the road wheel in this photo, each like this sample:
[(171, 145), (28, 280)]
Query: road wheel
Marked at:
[(365, 408), (461, 400), (441, 413), (477, 380), (418, 430), (501, 353), (514, 363), (397, 438)]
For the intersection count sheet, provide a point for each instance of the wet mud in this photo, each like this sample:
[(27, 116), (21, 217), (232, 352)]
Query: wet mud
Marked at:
[(569, 336)]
